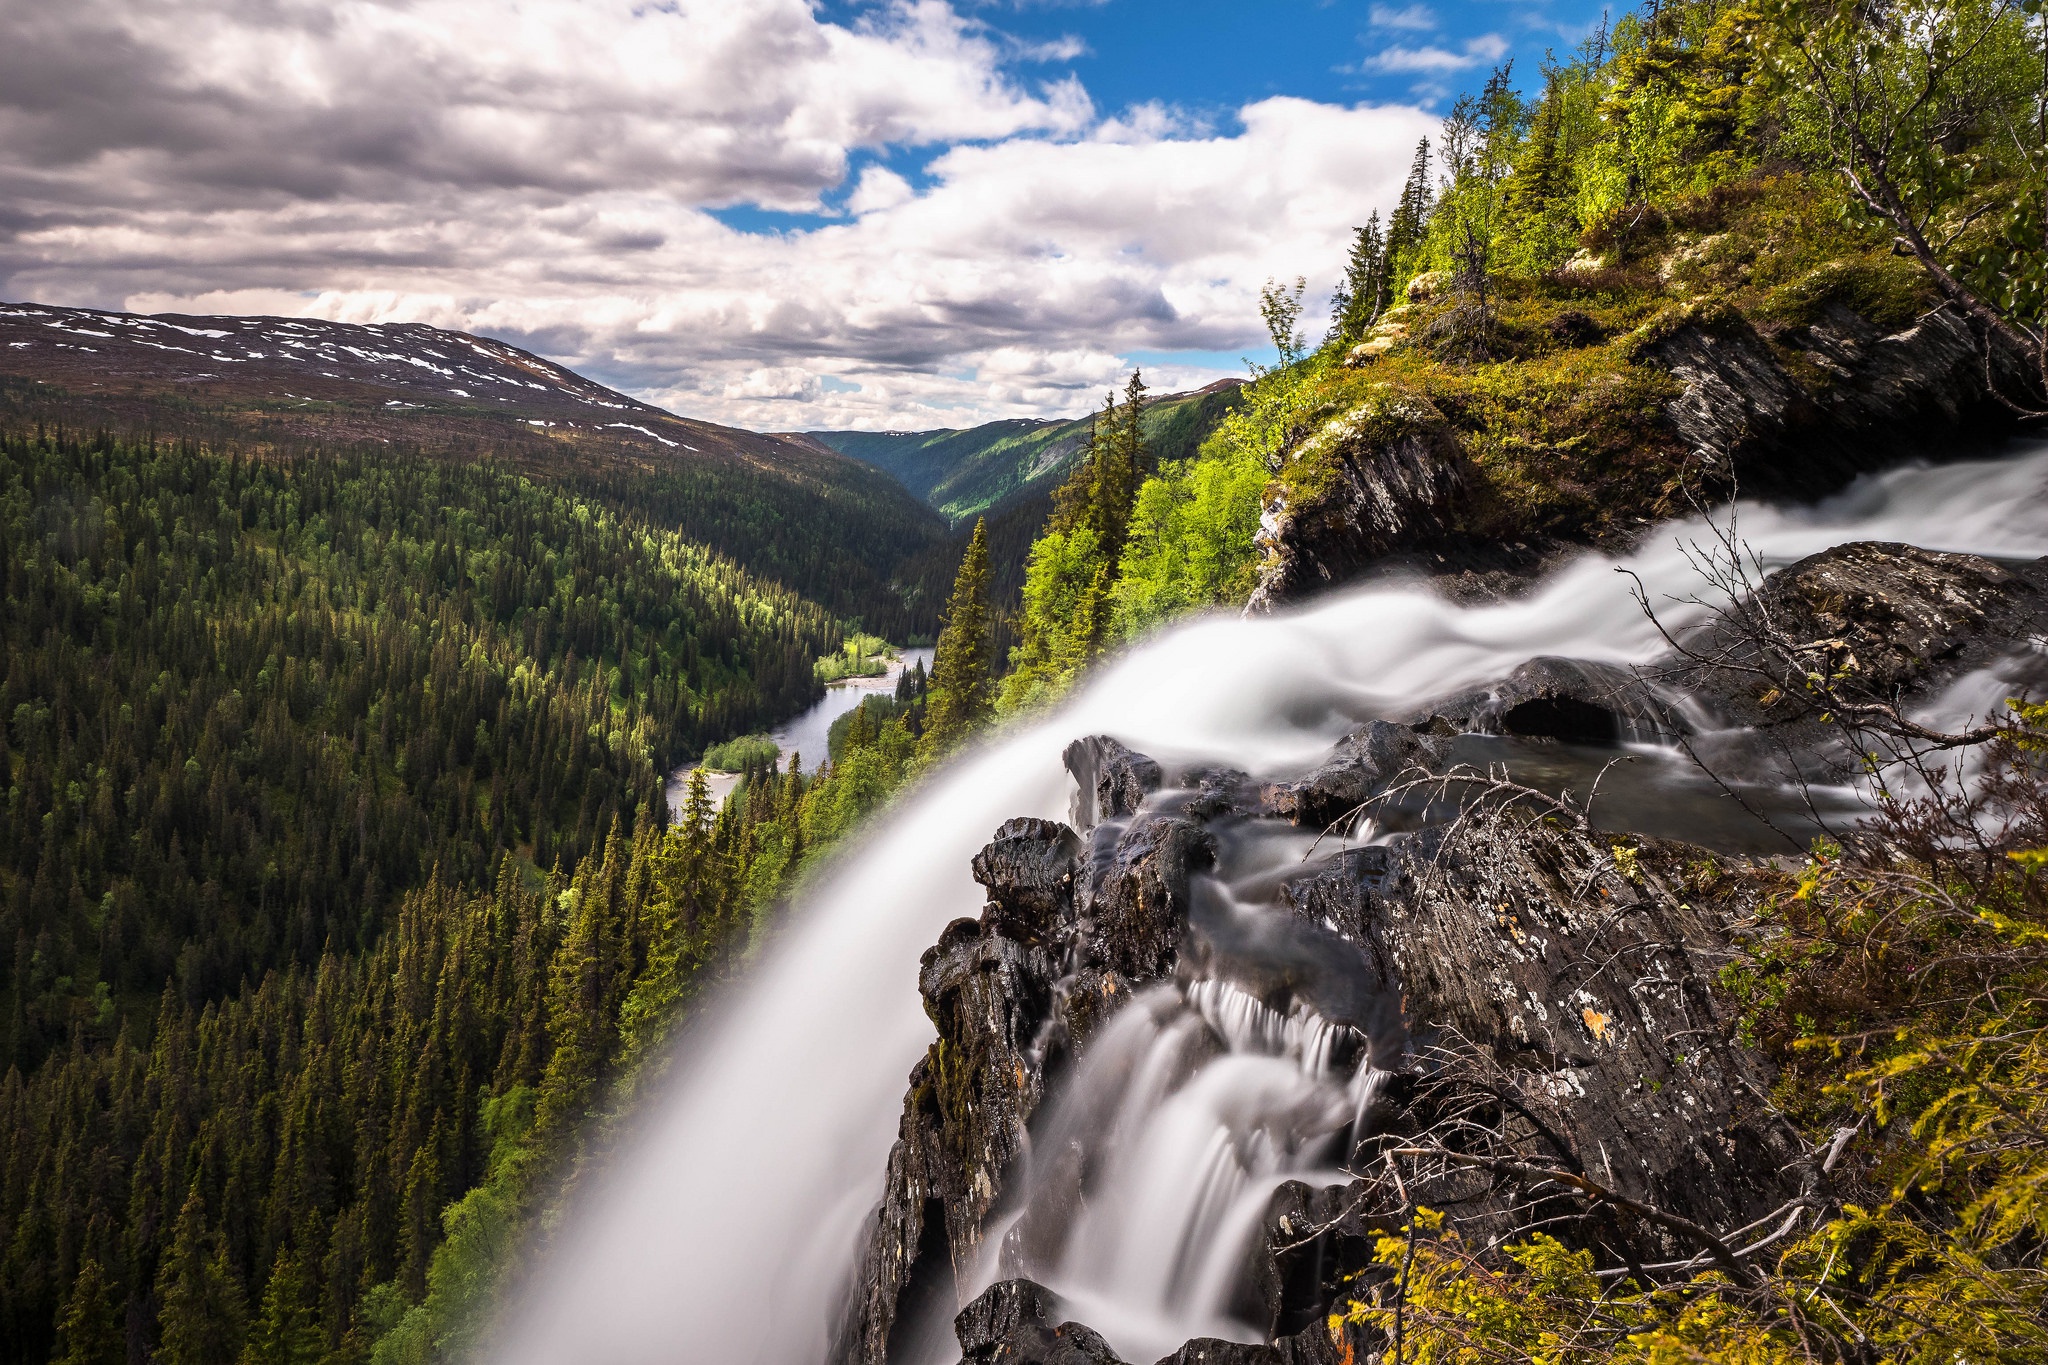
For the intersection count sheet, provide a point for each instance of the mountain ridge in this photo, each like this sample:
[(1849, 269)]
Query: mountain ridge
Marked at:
[(791, 509), (966, 471)]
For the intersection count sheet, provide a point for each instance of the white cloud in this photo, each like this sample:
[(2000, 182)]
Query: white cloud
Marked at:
[(1412, 18), (1435, 60), (879, 188), (547, 172), (777, 383)]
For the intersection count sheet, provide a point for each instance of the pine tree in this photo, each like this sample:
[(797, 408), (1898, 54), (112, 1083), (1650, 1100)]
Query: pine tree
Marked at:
[(962, 685), (89, 1333)]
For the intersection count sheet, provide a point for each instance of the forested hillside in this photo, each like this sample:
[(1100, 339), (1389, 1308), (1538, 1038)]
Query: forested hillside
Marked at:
[(1708, 208), (832, 528), (302, 759)]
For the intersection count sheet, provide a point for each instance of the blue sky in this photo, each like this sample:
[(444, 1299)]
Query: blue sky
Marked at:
[(784, 214), (1203, 60)]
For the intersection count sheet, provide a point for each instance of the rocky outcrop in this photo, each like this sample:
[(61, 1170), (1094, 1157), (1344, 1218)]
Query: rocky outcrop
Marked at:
[(1797, 413), (1562, 981), (1515, 972), (1067, 937), (1384, 478), (988, 986), (1804, 412)]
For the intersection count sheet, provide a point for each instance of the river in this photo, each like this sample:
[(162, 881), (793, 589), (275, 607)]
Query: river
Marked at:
[(805, 735)]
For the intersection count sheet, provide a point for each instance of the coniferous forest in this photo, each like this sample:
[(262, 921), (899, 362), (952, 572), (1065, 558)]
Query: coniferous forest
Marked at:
[(332, 852)]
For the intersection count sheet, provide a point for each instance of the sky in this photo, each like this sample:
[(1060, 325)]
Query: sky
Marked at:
[(780, 214)]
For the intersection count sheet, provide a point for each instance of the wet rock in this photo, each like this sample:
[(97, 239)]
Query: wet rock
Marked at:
[(1134, 899), (1012, 1324), (1368, 483), (1281, 960), (1362, 765), (1029, 871), (1553, 698), (1206, 793), (1310, 1347), (1568, 977), (1889, 620), (1860, 399), (1111, 782), (1317, 1249), (989, 994)]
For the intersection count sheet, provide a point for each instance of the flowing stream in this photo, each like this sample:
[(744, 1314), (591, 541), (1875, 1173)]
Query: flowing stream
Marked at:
[(726, 1226)]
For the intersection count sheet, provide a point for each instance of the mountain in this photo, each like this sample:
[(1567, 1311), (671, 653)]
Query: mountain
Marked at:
[(832, 528), (965, 472)]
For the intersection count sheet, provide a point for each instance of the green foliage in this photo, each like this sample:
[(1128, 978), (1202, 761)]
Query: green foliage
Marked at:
[(1191, 540), (862, 656), (1072, 572), (1936, 114), (743, 753), (246, 704)]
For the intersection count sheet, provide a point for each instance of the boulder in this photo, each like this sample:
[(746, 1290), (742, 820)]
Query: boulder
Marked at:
[(1891, 624), (1552, 698), (1134, 895), (1012, 1323), (1362, 765), (1028, 869), (1110, 781)]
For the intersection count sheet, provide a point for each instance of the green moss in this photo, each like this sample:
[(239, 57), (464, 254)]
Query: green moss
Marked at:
[(1885, 290)]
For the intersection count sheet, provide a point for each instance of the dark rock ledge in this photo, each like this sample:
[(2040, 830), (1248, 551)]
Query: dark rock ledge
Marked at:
[(1796, 415)]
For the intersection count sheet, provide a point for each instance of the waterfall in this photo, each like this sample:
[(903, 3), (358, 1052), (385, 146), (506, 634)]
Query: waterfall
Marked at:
[(725, 1227)]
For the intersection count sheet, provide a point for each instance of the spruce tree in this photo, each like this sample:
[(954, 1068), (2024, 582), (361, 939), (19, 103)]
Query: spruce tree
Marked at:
[(962, 683), (1406, 228), (89, 1333), (287, 1329), (202, 1312), (698, 812), (1366, 290)]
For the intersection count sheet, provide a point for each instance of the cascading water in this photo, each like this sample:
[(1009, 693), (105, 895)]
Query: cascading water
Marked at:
[(724, 1230), (1149, 1174)]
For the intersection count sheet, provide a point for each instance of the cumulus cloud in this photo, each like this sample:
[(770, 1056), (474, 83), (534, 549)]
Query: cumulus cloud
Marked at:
[(553, 172), (1437, 60)]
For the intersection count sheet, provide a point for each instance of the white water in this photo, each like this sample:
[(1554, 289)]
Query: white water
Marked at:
[(725, 1229)]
